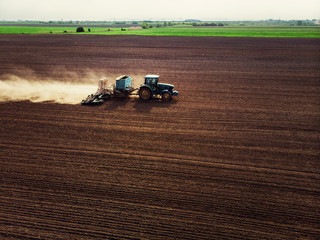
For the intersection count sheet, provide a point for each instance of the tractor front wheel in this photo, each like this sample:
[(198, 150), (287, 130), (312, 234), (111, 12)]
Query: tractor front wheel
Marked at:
[(166, 96), (145, 93)]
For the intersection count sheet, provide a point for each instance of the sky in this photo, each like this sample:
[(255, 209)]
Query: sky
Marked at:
[(168, 10)]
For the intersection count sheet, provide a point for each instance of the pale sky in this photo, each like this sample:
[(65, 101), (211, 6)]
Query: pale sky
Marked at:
[(46, 10)]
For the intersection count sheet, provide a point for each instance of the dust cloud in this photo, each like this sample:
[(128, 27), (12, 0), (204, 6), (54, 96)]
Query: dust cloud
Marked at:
[(16, 88), (69, 88)]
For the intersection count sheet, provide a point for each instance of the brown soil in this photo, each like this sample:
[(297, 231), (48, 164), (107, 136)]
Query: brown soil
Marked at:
[(235, 156)]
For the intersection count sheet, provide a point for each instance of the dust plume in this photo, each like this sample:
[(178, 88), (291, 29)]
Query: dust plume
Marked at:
[(67, 88), (19, 89)]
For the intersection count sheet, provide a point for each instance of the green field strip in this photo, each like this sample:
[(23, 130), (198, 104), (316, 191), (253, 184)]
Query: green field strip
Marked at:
[(303, 32)]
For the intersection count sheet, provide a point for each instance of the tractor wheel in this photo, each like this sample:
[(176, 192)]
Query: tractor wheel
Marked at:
[(145, 93), (166, 96)]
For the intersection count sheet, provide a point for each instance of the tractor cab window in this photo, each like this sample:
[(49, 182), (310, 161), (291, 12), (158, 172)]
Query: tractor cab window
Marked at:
[(151, 81)]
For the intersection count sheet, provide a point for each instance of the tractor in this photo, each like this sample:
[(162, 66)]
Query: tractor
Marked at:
[(123, 88), (152, 88)]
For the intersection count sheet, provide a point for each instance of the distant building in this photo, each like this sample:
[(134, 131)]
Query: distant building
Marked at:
[(192, 20)]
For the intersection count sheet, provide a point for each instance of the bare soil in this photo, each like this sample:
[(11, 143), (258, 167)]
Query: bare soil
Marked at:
[(234, 156)]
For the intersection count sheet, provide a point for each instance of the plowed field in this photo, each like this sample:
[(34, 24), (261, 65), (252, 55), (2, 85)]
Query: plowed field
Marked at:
[(234, 156)]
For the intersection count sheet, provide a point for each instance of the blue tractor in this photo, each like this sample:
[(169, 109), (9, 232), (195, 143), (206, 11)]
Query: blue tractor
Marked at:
[(152, 88), (123, 88)]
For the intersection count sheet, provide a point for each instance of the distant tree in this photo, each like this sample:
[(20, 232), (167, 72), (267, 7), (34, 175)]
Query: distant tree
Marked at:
[(80, 29), (220, 25), (299, 23), (145, 25)]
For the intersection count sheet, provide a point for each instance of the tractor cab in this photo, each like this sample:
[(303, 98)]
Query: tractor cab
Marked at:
[(152, 81)]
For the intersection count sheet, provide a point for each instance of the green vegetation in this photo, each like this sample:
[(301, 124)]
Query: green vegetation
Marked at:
[(35, 29), (260, 23), (231, 32), (173, 30), (81, 29)]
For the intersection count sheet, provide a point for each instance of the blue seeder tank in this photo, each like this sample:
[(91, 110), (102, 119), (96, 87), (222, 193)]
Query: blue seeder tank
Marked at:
[(123, 83)]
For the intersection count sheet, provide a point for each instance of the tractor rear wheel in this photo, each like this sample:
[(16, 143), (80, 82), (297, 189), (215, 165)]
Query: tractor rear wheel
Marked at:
[(145, 93), (166, 96)]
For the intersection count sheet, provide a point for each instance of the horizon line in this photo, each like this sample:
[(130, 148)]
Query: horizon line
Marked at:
[(159, 20)]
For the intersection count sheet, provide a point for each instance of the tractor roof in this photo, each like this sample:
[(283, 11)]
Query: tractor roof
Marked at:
[(152, 76)]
